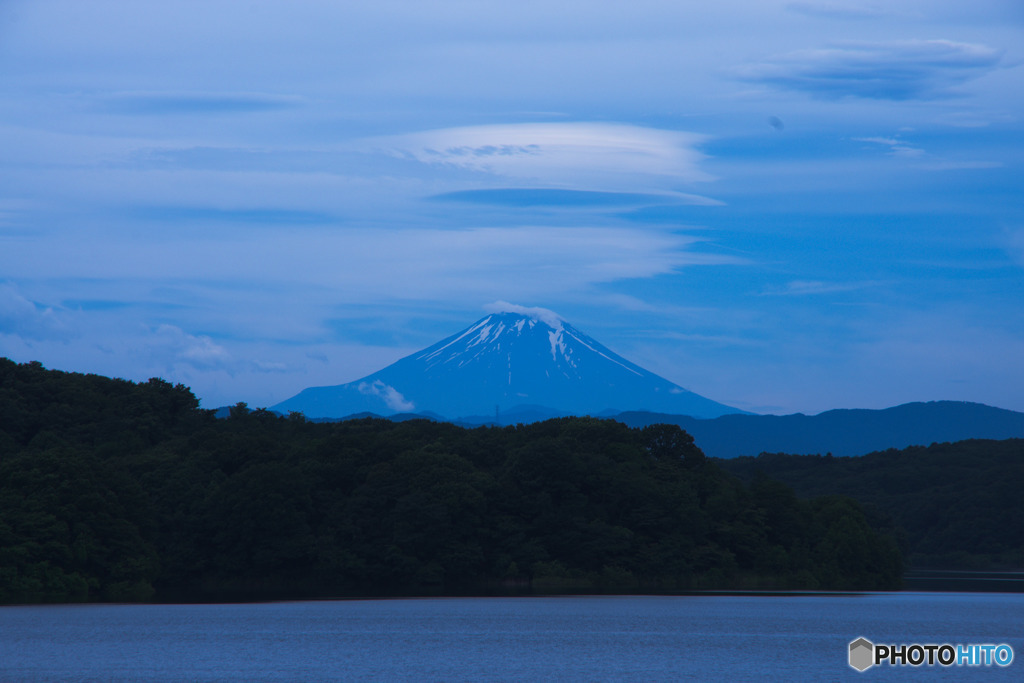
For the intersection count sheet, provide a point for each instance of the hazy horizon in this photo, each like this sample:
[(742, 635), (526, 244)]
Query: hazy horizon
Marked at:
[(784, 206)]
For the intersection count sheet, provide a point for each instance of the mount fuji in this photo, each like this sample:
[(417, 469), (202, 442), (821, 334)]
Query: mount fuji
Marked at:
[(509, 359)]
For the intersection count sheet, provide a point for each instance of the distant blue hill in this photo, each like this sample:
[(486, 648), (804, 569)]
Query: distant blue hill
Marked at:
[(839, 432), (500, 363), (842, 432)]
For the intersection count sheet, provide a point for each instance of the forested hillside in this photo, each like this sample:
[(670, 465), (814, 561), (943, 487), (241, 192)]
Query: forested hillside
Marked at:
[(958, 505), (111, 490)]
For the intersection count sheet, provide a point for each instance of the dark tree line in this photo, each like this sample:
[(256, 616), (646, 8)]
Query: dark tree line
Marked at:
[(953, 505), (112, 490)]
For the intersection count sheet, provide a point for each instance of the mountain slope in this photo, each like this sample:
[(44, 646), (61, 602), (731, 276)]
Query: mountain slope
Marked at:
[(843, 432), (507, 359)]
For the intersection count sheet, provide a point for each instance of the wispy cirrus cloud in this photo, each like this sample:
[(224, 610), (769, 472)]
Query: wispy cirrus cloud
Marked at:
[(954, 165), (899, 148), (896, 146), (162, 103), (897, 70), (352, 264), (246, 216), (547, 197), (839, 10), (814, 287)]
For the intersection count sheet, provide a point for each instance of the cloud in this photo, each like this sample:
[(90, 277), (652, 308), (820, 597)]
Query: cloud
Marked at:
[(26, 319), (370, 265), (969, 165), (269, 366), (572, 156), (544, 315), (926, 162), (199, 352), (810, 287), (838, 10), (896, 146), (199, 103), (540, 197), (898, 70), (391, 396), (202, 214)]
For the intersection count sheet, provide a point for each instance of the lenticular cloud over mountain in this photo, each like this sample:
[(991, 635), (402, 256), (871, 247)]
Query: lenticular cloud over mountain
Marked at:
[(515, 356), (594, 156), (549, 318)]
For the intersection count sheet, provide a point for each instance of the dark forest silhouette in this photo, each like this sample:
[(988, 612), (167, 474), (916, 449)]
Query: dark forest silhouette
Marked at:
[(122, 491)]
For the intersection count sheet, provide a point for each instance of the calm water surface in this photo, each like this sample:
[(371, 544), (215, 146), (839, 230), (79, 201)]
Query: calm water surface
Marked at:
[(503, 639)]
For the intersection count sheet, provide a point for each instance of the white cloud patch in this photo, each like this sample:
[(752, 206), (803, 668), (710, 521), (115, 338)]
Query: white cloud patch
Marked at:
[(26, 319), (544, 315), (199, 352), (896, 146), (897, 70), (812, 287), (586, 156), (391, 396)]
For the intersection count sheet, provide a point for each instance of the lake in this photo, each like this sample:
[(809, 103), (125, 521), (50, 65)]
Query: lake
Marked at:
[(610, 638)]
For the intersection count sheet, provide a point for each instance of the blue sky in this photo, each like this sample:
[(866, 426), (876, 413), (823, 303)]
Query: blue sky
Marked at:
[(784, 206)]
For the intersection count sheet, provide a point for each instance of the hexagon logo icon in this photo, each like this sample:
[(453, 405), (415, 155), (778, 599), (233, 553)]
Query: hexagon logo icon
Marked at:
[(862, 654)]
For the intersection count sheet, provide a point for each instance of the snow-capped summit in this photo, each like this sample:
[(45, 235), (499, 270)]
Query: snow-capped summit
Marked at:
[(514, 356)]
